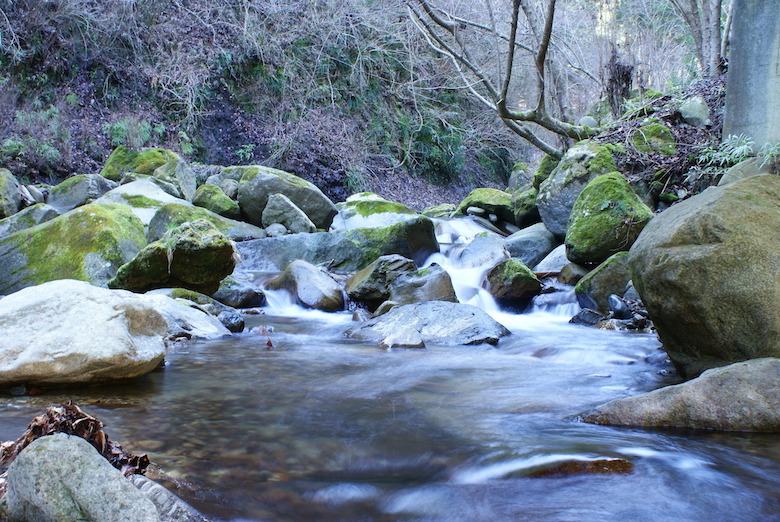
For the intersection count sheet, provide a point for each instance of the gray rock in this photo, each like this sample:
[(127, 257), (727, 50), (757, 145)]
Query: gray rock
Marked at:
[(554, 261), (79, 190), (531, 244), (62, 477), (694, 111), (371, 285), (239, 294), (485, 250), (175, 214), (36, 193), (588, 121), (29, 217), (745, 169), (143, 196), (311, 286), (437, 322), (587, 317), (744, 396), (610, 277), (368, 210), (257, 183), (276, 230), (403, 339), (708, 271), (322, 248), (178, 173), (10, 196), (281, 210), (432, 283), (618, 307), (214, 199), (572, 274), (170, 507), (231, 320)]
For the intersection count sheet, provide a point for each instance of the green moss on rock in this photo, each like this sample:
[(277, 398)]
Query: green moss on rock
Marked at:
[(654, 138), (542, 172), (212, 197), (492, 201), (512, 281), (146, 161), (414, 239), (172, 215), (610, 277)]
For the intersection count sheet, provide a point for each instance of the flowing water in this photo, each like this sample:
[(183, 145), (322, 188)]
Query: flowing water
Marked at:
[(322, 428)]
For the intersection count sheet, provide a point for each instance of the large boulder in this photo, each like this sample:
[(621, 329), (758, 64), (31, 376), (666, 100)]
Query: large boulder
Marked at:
[(490, 201), (557, 194), (431, 283), (280, 210), (322, 248), (372, 284), (368, 210), (29, 217), (512, 283), (194, 255), (213, 198), (743, 396), (484, 251), (88, 243), (414, 239), (610, 277), (63, 477), (708, 271), (531, 244), (124, 160), (174, 214), (10, 195), (654, 138), (178, 173), (79, 190), (436, 322), (311, 286), (257, 183), (554, 261), (143, 197), (606, 218)]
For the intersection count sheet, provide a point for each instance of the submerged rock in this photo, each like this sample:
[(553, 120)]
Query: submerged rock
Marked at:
[(437, 322), (62, 477), (743, 396), (708, 271)]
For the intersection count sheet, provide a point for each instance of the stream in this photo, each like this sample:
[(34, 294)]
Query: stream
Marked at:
[(324, 428)]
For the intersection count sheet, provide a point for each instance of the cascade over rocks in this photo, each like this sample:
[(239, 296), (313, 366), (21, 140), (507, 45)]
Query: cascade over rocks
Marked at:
[(258, 182), (437, 322), (708, 271), (743, 396), (311, 286), (122, 338), (88, 243)]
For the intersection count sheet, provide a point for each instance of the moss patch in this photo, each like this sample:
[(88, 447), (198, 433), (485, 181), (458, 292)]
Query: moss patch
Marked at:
[(124, 160), (542, 172), (490, 200), (139, 201), (654, 138)]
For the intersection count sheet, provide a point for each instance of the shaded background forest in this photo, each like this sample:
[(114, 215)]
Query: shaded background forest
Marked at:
[(347, 94)]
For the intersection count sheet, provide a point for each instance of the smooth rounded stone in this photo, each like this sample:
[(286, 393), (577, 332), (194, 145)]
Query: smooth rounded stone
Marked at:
[(62, 477), (239, 294), (745, 169), (169, 507), (557, 194), (618, 307), (88, 243), (403, 339), (610, 277), (29, 217), (144, 197), (276, 230), (10, 196), (123, 337), (554, 261), (606, 218), (372, 284), (385, 307), (322, 248), (37, 194), (743, 396), (279, 209), (484, 250), (510, 281), (484, 201), (694, 111), (369, 210), (572, 274), (229, 317), (212, 197), (437, 322), (311, 286), (174, 214), (431, 283), (258, 182), (231, 320), (531, 244), (587, 316), (708, 271), (79, 190), (123, 160), (588, 121), (194, 255)]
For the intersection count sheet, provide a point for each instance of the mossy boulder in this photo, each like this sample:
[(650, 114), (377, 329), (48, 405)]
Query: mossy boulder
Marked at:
[(708, 271), (580, 165), (321, 248), (178, 173), (10, 195), (511, 282), (606, 218), (123, 160), (258, 182), (543, 171), (88, 244), (492, 201), (368, 210), (280, 210), (29, 217), (431, 283), (524, 206), (610, 277), (143, 197), (194, 255), (172, 215), (445, 210), (79, 190), (521, 175), (371, 285), (654, 138), (414, 239), (212, 198), (311, 286)]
